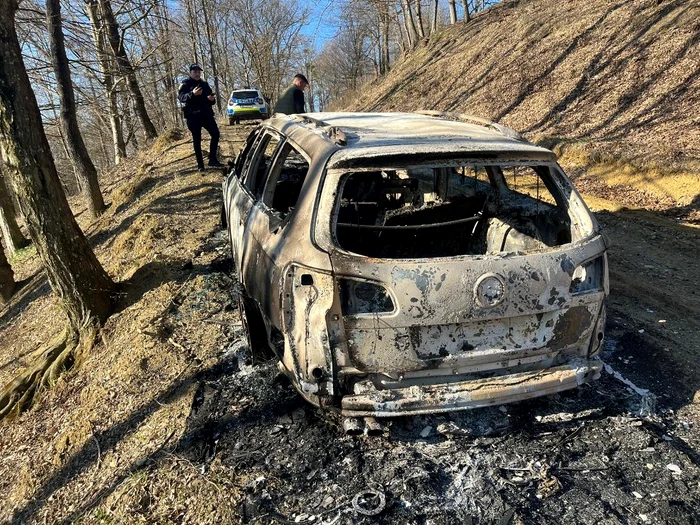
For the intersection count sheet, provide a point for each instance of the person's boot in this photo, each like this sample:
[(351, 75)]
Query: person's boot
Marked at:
[(215, 164)]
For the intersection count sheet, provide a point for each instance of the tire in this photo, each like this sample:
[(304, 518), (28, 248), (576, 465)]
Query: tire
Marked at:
[(231, 120), (254, 330), (224, 222)]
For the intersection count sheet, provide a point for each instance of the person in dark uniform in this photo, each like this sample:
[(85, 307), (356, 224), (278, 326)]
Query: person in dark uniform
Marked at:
[(291, 101), (197, 100)]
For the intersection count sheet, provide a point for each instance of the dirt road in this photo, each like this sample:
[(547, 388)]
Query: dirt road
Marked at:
[(655, 303), (168, 422)]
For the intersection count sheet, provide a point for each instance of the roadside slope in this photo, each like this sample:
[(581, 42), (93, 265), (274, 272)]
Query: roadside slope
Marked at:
[(610, 83)]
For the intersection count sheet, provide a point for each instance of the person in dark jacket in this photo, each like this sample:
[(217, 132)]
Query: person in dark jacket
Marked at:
[(197, 100), (291, 101)]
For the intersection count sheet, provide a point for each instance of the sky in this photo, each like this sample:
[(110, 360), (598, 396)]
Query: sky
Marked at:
[(322, 26)]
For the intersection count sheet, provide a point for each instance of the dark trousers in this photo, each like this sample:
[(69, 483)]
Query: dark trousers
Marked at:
[(195, 123)]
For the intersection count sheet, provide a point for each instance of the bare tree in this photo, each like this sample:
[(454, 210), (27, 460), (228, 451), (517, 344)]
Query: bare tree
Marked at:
[(193, 29), (419, 18), (107, 80), (384, 24), (409, 22), (212, 58), (269, 41), (84, 168), (116, 43), (467, 15), (453, 11), (73, 271), (434, 21), (170, 85)]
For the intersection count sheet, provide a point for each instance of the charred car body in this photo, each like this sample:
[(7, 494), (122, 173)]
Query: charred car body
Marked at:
[(401, 264)]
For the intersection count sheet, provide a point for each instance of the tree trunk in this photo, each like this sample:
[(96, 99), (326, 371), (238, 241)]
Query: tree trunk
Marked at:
[(129, 124), (212, 59), (193, 31), (467, 14), (126, 69), (73, 270), (434, 21), (453, 11), (385, 38), (84, 168), (419, 19), (14, 240), (7, 278), (169, 81), (108, 82), (410, 23), (405, 42)]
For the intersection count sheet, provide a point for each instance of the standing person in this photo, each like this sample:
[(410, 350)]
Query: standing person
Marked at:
[(291, 101), (197, 100)]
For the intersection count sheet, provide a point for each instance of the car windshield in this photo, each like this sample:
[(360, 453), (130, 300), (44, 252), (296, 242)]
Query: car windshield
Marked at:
[(244, 94), (450, 211)]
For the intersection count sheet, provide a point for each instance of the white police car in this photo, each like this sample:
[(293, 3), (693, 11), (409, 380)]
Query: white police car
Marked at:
[(245, 104)]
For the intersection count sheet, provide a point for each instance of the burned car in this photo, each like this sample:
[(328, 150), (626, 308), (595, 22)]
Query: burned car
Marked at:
[(410, 263)]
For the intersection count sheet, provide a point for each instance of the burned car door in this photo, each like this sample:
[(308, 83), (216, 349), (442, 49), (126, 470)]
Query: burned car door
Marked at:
[(239, 197), (248, 192), (268, 222)]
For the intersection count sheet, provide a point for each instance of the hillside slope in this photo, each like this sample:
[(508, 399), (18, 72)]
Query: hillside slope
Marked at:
[(620, 77)]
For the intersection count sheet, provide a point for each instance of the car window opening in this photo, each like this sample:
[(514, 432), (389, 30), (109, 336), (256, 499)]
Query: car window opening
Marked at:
[(451, 211), (259, 169), (243, 95), (286, 180)]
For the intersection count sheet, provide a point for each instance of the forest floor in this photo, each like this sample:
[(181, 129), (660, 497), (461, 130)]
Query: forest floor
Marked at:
[(167, 422)]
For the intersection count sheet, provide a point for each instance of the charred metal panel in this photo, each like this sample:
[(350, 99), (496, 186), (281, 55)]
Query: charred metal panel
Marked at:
[(415, 400), (469, 347), (308, 297)]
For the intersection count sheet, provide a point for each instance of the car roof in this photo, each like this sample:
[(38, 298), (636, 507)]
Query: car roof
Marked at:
[(371, 135)]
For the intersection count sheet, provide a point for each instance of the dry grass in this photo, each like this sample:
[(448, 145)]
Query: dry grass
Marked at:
[(100, 442)]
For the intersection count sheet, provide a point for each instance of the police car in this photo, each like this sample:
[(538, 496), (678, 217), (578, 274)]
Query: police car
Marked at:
[(245, 104)]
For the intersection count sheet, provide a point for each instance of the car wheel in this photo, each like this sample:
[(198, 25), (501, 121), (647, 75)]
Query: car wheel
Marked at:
[(224, 223), (254, 330), (230, 121)]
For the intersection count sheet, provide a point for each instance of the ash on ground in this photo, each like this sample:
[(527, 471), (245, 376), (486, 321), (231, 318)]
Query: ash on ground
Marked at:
[(600, 453)]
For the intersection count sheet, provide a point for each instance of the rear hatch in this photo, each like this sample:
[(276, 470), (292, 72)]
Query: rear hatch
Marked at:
[(471, 268)]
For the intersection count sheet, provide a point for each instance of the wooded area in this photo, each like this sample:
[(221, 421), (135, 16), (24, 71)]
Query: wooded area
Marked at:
[(127, 59), (84, 85)]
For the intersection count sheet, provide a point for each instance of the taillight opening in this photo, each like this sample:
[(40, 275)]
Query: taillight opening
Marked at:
[(362, 297), (588, 277)]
